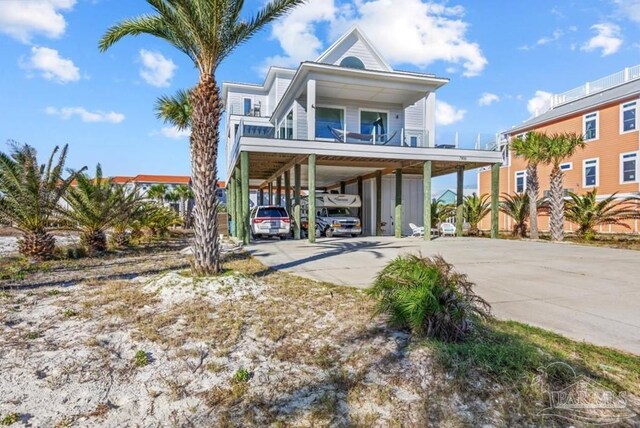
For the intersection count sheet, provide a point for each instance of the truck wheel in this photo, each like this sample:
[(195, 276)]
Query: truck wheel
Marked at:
[(329, 232), (354, 235)]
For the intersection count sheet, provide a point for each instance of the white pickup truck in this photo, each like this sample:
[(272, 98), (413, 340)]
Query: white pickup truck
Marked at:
[(333, 214)]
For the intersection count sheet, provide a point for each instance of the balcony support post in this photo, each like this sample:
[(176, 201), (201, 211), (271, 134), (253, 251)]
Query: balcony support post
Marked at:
[(297, 214), (279, 191), (378, 203), (287, 191), (311, 228), (426, 183), (244, 166), (495, 193), (399, 208), (459, 200), (311, 110)]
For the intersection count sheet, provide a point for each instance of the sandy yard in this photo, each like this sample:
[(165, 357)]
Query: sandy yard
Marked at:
[(134, 340)]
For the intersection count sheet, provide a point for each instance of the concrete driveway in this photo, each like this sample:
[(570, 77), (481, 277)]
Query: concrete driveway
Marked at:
[(586, 293)]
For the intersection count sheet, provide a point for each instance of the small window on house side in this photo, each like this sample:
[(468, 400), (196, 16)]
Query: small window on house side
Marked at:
[(352, 62), (567, 166), (629, 167), (590, 173), (521, 181), (591, 126), (628, 117), (246, 106)]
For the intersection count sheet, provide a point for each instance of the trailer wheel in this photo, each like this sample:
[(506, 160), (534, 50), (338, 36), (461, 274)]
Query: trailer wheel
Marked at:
[(354, 235), (329, 232)]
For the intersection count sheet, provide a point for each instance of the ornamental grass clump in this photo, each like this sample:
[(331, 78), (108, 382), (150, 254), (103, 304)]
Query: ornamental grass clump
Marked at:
[(427, 296)]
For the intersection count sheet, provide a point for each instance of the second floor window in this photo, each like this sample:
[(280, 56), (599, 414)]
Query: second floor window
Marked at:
[(590, 172), (629, 167), (521, 181), (628, 117), (328, 117), (591, 126), (371, 121)]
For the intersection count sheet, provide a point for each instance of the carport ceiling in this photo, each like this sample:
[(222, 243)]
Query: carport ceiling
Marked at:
[(333, 169)]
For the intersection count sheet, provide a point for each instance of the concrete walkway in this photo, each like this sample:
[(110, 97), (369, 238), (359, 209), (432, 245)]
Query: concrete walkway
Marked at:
[(587, 293)]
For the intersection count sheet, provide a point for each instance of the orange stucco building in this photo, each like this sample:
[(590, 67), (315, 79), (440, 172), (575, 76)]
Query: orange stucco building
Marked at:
[(605, 112)]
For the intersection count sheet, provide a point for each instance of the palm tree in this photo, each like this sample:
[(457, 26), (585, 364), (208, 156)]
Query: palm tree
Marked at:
[(175, 109), (95, 205), (135, 209), (476, 208), (185, 194), (29, 196), (517, 207), (157, 192), (207, 31), (531, 148), (556, 149), (587, 212), (440, 212)]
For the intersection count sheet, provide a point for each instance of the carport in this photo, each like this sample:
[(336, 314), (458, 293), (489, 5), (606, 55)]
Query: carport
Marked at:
[(284, 168)]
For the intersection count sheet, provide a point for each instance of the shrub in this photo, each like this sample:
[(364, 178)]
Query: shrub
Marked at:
[(141, 359), (9, 419), (241, 376), (427, 296)]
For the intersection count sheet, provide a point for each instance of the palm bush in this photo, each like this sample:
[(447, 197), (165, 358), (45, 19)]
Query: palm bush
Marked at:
[(95, 205), (30, 195), (475, 208), (588, 213), (517, 207), (128, 225), (207, 31), (158, 219), (157, 192), (441, 212), (427, 296)]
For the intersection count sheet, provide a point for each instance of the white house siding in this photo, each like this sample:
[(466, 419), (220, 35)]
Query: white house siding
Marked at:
[(412, 196), (301, 118), (234, 100), (353, 46), (271, 101), (415, 115), (282, 83), (368, 207)]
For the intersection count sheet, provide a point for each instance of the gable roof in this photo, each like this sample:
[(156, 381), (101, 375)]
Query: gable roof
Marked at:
[(615, 94), (357, 32)]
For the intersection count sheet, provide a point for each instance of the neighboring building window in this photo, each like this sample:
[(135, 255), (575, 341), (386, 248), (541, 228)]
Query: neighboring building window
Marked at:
[(352, 62), (590, 167), (567, 166), (371, 120), (246, 106), (521, 181), (629, 167), (413, 141), (328, 117), (628, 117), (591, 126)]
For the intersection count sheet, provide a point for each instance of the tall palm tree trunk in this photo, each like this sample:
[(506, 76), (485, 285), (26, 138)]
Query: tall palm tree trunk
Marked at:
[(533, 188), (556, 202), (206, 104)]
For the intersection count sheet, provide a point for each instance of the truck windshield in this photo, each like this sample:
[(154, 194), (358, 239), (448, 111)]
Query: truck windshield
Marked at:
[(338, 212)]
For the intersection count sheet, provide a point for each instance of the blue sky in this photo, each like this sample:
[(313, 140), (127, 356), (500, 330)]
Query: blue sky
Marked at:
[(503, 58)]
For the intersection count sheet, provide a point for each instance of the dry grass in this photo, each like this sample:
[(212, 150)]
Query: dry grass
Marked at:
[(310, 354)]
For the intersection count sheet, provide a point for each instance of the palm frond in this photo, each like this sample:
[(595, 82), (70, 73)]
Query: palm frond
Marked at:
[(175, 109)]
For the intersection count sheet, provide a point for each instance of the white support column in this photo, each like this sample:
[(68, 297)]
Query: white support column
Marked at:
[(311, 109), (430, 120)]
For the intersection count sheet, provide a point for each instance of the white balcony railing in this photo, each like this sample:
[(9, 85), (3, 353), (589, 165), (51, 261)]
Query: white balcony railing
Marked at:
[(595, 86)]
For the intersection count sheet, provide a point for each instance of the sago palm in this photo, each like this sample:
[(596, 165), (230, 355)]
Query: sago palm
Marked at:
[(95, 205), (134, 211), (440, 212), (556, 149), (475, 209), (531, 148), (588, 213), (207, 31), (30, 194), (517, 207)]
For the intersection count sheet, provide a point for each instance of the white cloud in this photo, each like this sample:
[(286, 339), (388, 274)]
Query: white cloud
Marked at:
[(487, 99), (22, 19), (85, 115), (446, 114), (608, 38), (628, 9), (175, 133), (51, 65), (540, 103), (405, 32), (296, 33), (156, 69)]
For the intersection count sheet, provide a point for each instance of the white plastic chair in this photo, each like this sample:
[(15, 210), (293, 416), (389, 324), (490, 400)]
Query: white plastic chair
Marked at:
[(415, 230), (447, 229)]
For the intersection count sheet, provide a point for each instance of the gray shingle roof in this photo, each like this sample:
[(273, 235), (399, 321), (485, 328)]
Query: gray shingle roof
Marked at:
[(620, 92)]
